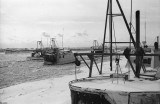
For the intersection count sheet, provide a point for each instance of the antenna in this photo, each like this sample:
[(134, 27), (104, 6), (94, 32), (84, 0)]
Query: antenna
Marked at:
[(130, 23), (157, 38), (145, 30), (62, 38)]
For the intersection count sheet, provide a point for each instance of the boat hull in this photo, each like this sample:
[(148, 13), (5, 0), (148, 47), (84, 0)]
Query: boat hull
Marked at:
[(104, 91), (66, 58)]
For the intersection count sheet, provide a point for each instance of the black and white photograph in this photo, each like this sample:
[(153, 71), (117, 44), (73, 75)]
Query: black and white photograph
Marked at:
[(79, 51)]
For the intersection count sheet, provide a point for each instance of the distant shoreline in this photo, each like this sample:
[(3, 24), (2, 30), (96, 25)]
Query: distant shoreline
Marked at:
[(21, 50)]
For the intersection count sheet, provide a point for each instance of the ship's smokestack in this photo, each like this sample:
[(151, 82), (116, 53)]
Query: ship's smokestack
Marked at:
[(137, 42), (137, 29)]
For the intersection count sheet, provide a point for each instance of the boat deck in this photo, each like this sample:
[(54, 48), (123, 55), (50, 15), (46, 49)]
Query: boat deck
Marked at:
[(114, 84), (115, 91)]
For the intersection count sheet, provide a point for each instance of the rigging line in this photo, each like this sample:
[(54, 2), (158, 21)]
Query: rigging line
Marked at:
[(146, 3), (151, 44), (115, 40), (126, 23), (114, 36), (145, 29), (133, 28)]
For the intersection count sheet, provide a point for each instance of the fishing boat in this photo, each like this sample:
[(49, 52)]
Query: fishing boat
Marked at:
[(56, 55), (38, 53), (128, 81), (96, 48)]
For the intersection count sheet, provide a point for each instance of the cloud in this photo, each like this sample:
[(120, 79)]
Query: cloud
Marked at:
[(82, 34), (11, 39), (27, 19), (60, 35)]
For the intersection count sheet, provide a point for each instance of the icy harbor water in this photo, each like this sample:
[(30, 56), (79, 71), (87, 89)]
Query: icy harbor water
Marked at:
[(31, 82), (55, 90)]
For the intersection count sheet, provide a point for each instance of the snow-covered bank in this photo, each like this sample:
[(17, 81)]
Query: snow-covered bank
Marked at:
[(52, 90), (48, 91)]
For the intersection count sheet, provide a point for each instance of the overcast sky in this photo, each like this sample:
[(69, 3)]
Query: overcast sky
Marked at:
[(23, 22)]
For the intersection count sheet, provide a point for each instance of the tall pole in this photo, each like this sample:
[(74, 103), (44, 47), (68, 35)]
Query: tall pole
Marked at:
[(110, 23), (145, 31), (104, 35), (62, 38), (37, 44), (138, 60), (47, 41), (130, 24), (158, 41)]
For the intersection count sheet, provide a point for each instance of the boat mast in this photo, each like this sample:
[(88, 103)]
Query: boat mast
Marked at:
[(145, 31), (130, 24), (110, 25), (158, 40), (62, 41)]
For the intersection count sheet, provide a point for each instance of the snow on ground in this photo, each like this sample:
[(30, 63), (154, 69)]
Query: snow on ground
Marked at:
[(48, 91)]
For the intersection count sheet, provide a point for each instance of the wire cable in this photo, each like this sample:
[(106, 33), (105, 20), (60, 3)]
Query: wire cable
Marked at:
[(114, 36)]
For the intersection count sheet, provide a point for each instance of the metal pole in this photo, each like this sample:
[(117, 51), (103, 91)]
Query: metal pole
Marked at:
[(145, 32), (91, 57), (104, 36), (158, 41), (130, 23), (138, 43), (47, 41), (62, 38), (110, 21)]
